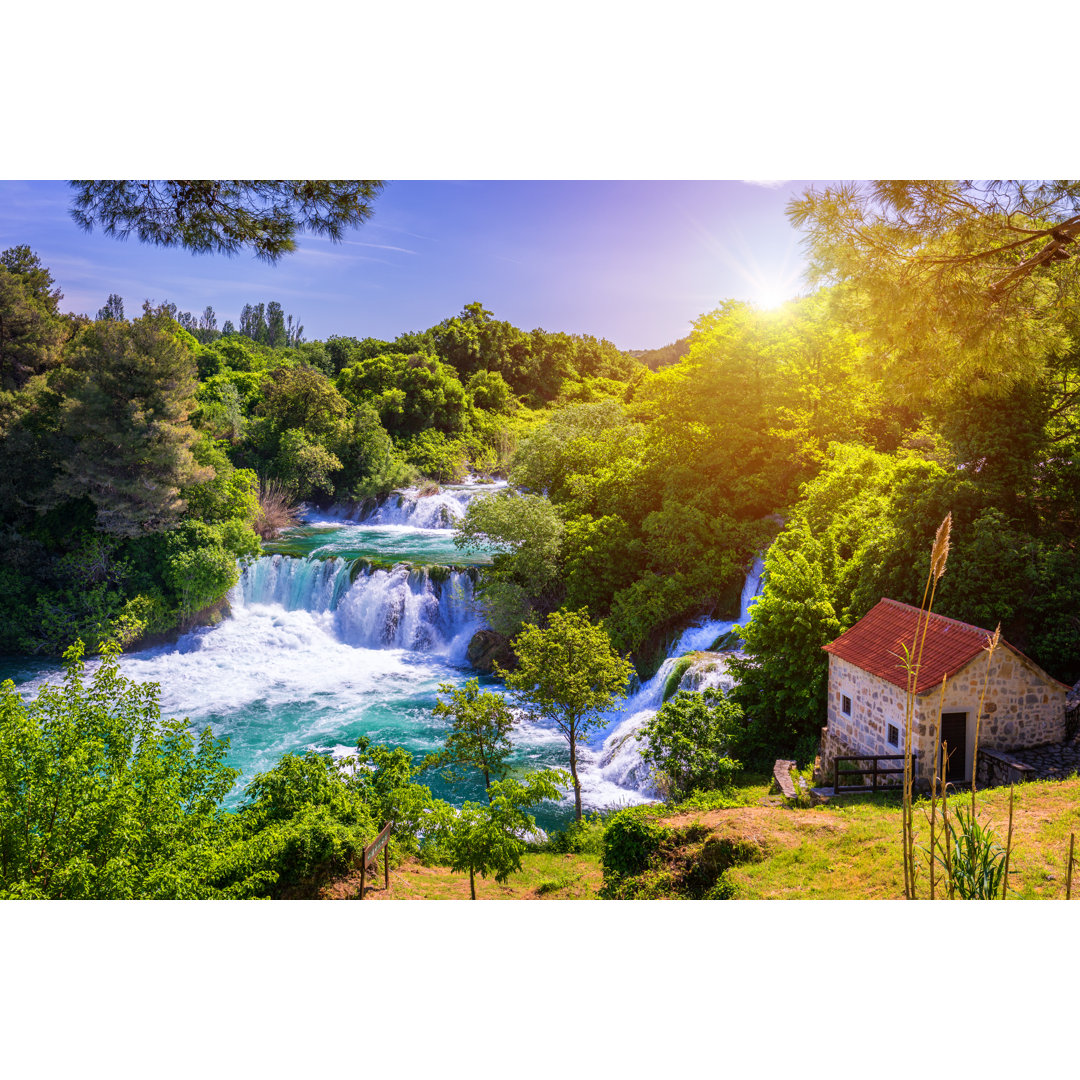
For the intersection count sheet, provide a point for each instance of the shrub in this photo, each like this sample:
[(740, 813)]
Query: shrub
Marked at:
[(687, 742), (630, 839)]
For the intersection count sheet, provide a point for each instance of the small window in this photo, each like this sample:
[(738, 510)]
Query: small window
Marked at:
[(845, 704), (894, 735)]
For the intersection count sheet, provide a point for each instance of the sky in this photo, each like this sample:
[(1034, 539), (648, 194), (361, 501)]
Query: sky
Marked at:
[(632, 261)]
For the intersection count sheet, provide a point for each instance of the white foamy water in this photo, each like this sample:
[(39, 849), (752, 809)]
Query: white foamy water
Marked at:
[(402, 608), (411, 509), (618, 755)]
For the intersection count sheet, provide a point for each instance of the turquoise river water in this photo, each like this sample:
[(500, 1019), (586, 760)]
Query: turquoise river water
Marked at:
[(319, 649)]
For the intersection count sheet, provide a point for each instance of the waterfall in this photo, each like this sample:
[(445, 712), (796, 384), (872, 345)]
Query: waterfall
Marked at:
[(411, 509), (619, 756), (405, 607)]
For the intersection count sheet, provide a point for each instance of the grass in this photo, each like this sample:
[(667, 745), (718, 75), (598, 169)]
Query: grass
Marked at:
[(849, 848), (543, 876)]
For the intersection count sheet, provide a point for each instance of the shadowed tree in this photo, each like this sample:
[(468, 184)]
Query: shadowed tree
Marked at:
[(113, 309), (131, 392)]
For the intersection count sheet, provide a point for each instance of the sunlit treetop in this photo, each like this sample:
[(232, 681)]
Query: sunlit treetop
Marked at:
[(964, 282), (227, 216)]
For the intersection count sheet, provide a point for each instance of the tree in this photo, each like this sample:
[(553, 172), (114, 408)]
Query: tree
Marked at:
[(525, 576), (32, 332), (131, 392), (491, 839), (687, 742), (263, 216), (968, 286), (479, 737), (113, 309), (569, 675), (102, 798), (275, 325)]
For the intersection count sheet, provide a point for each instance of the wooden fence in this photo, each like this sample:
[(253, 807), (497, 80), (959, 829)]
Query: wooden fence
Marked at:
[(370, 857)]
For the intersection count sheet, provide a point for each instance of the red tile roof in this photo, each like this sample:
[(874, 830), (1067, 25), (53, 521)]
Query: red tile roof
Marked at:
[(877, 641)]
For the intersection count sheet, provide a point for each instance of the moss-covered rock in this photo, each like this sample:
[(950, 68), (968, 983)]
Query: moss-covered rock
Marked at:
[(488, 648)]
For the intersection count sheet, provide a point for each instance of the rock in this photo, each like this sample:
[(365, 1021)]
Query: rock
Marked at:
[(488, 648)]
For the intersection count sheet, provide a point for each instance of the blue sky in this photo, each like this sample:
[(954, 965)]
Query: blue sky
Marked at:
[(633, 261)]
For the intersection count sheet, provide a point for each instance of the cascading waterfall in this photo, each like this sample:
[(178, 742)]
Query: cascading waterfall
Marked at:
[(325, 643), (411, 509), (618, 758), (404, 608)]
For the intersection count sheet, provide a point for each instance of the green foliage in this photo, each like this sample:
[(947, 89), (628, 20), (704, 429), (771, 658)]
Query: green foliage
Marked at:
[(304, 466), (574, 440), (301, 822), (584, 837), (229, 216), (100, 798), (688, 742), (568, 675), (410, 393), (671, 683), (962, 283), (231, 494), (32, 332), (630, 840), (973, 859), (491, 839), (525, 575), (198, 564), (130, 392), (479, 736), (436, 456)]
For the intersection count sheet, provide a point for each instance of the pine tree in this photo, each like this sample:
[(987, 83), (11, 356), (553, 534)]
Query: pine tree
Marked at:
[(275, 325), (129, 399), (113, 309), (32, 332)]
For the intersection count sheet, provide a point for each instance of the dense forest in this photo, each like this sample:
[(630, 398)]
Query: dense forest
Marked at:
[(934, 366)]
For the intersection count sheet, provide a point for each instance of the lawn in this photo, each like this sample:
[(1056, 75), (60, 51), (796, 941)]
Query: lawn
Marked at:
[(850, 848)]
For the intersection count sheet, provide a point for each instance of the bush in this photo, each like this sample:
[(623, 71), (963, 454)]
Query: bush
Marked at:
[(138, 797), (630, 839), (584, 837), (687, 742)]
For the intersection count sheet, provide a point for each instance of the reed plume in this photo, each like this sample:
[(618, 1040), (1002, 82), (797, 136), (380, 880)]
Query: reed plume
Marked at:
[(939, 555)]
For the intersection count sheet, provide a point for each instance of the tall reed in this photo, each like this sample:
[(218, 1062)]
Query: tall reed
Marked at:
[(912, 660), (990, 647), (933, 787)]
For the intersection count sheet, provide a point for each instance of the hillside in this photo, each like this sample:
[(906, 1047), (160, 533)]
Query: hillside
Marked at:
[(847, 850)]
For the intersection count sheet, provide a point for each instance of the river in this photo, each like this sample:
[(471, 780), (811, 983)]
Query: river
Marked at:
[(323, 644)]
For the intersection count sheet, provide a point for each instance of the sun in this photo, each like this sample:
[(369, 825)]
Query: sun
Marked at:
[(770, 297)]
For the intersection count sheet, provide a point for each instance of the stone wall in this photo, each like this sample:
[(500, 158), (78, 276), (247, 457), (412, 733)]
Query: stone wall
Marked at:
[(1023, 708), (998, 769), (875, 704)]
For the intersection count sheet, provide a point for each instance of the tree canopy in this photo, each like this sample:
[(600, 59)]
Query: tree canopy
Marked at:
[(568, 675), (228, 216)]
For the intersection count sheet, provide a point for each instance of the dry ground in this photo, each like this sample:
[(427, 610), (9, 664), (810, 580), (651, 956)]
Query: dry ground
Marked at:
[(542, 877), (848, 849)]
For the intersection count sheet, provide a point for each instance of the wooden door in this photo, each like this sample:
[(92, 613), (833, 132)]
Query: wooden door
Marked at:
[(954, 740)]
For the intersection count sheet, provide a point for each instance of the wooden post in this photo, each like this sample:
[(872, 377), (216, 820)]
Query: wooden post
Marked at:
[(363, 872), (386, 866), (1068, 875), (1008, 847)]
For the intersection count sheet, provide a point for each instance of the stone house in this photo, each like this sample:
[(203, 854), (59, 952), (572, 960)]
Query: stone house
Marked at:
[(1024, 706)]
